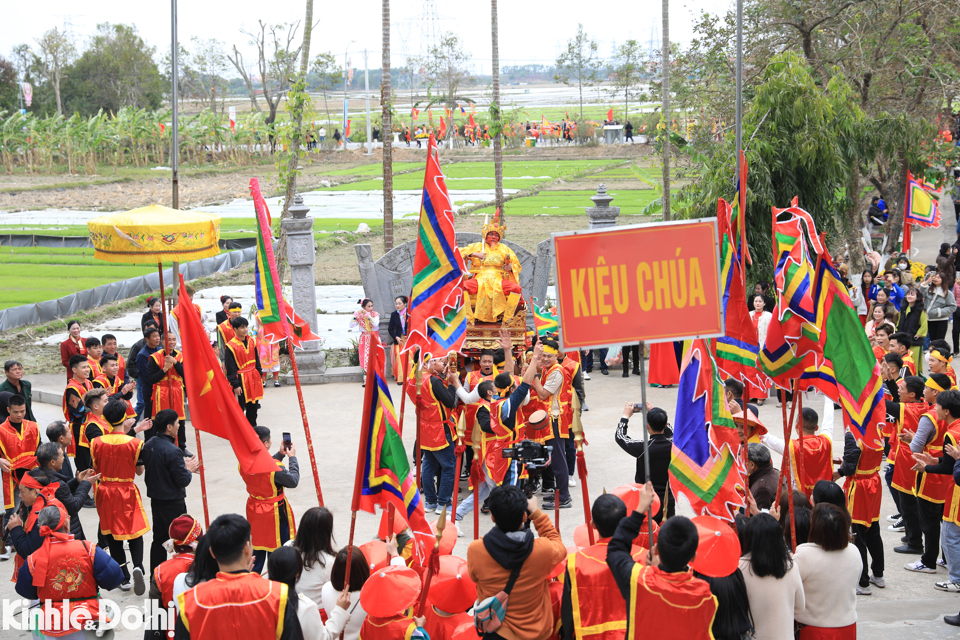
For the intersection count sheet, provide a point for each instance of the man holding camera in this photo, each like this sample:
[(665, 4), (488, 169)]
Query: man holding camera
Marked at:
[(497, 421), (661, 446)]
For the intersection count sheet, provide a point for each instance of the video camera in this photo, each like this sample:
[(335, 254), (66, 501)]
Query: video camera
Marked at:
[(534, 457)]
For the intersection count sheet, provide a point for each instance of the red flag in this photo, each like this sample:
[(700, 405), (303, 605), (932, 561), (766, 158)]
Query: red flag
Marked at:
[(347, 132), (414, 112), (472, 123), (443, 128), (448, 113), (610, 114), (213, 405)]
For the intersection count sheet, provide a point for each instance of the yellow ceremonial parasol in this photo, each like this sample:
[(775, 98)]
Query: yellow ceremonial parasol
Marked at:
[(155, 234)]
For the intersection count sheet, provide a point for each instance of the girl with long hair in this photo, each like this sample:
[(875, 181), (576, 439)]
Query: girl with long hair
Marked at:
[(368, 321), (773, 581), (913, 322)]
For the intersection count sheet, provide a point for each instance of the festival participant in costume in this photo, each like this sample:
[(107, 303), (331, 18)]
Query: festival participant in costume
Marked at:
[(225, 332), (398, 334), (269, 513), (510, 548), (817, 448), (572, 384), (591, 608), (437, 400), (493, 278), (864, 491), (930, 490), (496, 428), (549, 388), (948, 411), (65, 575), (452, 593), (269, 353), (913, 395), (23, 533), (73, 410), (167, 475), (237, 603), (368, 321), (112, 382), (661, 447), (185, 533), (154, 312), (471, 401), (71, 493), (881, 340), (19, 439), (116, 457), (151, 344), (109, 342), (285, 566), (900, 345), (94, 353), (939, 361), (72, 346), (94, 401), (386, 597), (165, 374), (662, 597), (664, 370), (829, 568), (243, 370), (16, 385)]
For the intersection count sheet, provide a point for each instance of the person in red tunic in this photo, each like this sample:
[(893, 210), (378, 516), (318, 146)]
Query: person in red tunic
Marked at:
[(549, 387), (73, 409), (663, 599), (900, 345), (664, 370), (112, 381), (939, 361), (817, 448), (487, 371), (437, 399), (185, 532), (225, 332), (65, 575), (237, 603), (269, 513), (900, 476), (864, 490), (451, 594), (22, 530), (19, 439), (72, 346), (242, 365), (591, 608), (165, 373), (109, 342), (93, 401), (116, 457), (387, 606)]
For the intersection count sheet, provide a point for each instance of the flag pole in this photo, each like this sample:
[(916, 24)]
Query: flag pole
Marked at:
[(203, 480), (419, 452), (476, 474), (577, 428), (433, 565), (358, 478), (646, 441), (303, 408), (403, 387)]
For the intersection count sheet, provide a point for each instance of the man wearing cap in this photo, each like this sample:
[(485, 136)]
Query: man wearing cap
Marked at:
[(237, 603), (763, 476), (167, 475), (437, 400), (65, 575), (548, 388), (387, 596), (591, 607), (817, 448), (184, 534)]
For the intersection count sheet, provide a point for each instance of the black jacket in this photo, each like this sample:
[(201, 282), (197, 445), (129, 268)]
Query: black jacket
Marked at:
[(148, 316), (132, 358), (72, 493), (164, 471), (396, 328), (661, 446)]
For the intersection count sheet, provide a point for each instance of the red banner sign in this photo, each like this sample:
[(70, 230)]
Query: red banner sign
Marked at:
[(653, 283)]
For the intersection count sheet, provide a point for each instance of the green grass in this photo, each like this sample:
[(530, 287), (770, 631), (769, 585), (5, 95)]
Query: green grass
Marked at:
[(372, 169), (37, 282), (631, 202)]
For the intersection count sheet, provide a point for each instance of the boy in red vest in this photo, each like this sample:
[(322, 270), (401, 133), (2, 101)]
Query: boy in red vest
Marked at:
[(663, 599), (269, 513), (591, 608), (109, 342), (112, 380), (242, 366), (817, 448), (94, 353), (73, 410), (237, 603)]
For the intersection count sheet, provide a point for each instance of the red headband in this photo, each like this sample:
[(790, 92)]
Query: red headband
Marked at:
[(30, 482)]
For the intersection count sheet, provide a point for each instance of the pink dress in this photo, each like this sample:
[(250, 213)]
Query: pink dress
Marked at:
[(369, 325)]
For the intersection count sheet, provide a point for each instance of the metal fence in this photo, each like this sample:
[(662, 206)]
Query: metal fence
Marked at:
[(50, 310), (83, 242)]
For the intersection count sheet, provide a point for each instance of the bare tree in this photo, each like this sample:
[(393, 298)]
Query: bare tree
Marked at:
[(386, 130), (57, 52), (237, 61), (498, 122), (276, 59), (297, 115), (446, 65), (204, 71)]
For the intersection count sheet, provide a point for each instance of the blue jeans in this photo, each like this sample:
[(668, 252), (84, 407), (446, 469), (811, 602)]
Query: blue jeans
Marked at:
[(440, 464), (485, 488), (950, 541), (141, 392)]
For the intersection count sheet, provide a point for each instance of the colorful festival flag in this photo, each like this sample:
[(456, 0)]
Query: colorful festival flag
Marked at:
[(706, 466), (438, 321), (922, 208), (267, 289), (213, 404), (386, 475), (545, 320)]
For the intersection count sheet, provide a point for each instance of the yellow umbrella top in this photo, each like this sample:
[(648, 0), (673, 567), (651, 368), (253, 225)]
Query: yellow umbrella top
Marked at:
[(155, 234)]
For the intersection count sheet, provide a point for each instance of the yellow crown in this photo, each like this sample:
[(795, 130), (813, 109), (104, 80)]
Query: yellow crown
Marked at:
[(498, 226)]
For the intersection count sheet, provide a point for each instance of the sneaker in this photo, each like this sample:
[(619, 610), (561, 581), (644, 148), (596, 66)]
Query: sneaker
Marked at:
[(564, 504), (605, 372), (459, 530), (919, 567), (139, 586), (4, 553), (878, 582), (439, 509), (894, 518), (941, 563), (905, 548), (276, 383), (126, 585), (430, 507), (949, 587), (864, 591), (572, 482), (586, 376), (896, 526)]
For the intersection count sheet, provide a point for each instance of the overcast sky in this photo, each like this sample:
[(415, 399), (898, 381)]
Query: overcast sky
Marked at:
[(528, 33)]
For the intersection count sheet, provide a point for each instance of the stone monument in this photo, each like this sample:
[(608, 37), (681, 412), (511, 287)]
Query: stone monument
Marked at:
[(301, 254), (602, 215)]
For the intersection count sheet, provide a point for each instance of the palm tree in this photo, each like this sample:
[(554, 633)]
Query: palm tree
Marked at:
[(386, 133), (665, 56), (498, 122)]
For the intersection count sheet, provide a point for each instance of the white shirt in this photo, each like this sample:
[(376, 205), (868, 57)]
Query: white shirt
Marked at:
[(351, 631), (310, 623), (830, 581), (312, 580), (774, 602), (826, 428)]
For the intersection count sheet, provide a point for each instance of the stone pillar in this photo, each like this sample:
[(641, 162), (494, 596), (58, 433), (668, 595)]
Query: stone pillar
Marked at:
[(602, 215), (301, 254)]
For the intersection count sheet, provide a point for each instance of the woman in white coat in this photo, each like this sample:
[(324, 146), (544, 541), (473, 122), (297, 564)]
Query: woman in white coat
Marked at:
[(761, 321)]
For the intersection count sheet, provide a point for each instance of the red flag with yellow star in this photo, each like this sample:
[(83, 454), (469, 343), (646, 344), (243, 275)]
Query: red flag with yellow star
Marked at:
[(213, 405)]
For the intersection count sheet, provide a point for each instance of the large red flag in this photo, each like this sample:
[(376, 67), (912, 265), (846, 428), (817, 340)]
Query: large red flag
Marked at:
[(213, 405), (610, 115), (472, 123), (443, 129)]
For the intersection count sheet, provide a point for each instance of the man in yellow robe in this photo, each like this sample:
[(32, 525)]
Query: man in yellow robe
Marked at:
[(493, 281)]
